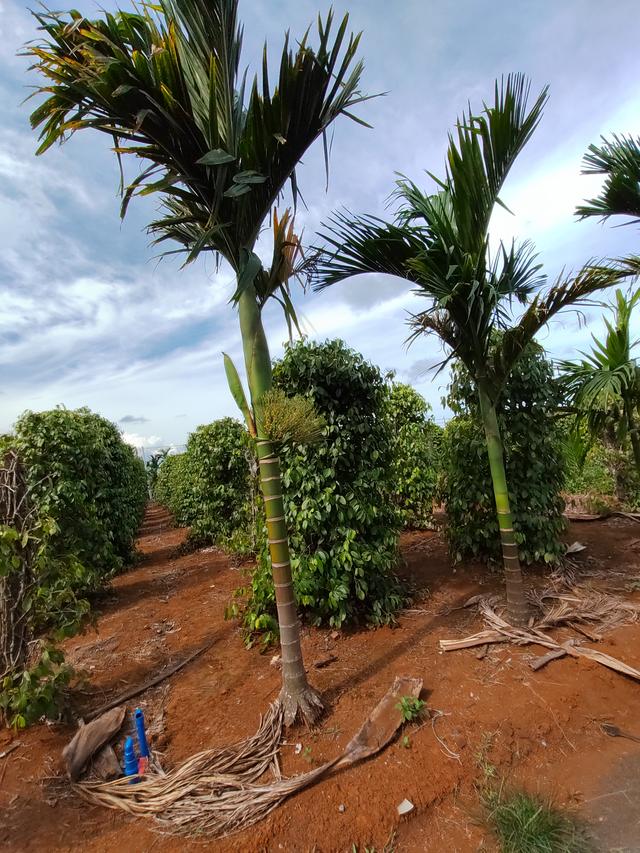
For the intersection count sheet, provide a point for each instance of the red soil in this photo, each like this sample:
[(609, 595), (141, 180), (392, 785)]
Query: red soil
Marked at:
[(540, 729)]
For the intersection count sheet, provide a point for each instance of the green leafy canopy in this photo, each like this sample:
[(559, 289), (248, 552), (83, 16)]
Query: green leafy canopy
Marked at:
[(342, 524)]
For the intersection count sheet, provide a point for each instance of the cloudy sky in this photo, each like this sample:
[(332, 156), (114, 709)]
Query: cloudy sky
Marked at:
[(89, 316)]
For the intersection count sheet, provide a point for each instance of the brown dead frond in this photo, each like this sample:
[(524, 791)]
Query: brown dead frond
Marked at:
[(220, 791), (498, 630), (583, 605)]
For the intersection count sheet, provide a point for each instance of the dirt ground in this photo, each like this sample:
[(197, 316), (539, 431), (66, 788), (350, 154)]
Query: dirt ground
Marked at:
[(538, 729)]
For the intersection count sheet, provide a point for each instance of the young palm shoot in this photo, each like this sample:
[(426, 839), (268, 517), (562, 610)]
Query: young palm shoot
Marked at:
[(164, 82), (439, 241)]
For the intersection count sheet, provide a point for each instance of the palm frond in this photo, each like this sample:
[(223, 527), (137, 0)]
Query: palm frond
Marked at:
[(440, 323), (619, 160), (482, 152), (354, 245), (607, 375), (567, 291), (439, 240)]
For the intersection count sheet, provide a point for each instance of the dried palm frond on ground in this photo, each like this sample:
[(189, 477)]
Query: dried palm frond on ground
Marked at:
[(583, 604), (218, 792), (500, 631)]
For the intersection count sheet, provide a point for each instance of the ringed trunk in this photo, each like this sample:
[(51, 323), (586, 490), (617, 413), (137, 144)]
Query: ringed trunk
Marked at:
[(296, 696), (517, 608)]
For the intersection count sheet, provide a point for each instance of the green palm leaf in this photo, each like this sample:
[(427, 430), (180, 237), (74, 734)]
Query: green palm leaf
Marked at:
[(619, 161)]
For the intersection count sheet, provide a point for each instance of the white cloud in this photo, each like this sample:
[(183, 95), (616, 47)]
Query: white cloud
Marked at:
[(139, 441)]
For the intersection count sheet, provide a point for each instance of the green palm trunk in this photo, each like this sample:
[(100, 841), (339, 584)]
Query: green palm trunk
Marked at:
[(517, 609), (297, 696)]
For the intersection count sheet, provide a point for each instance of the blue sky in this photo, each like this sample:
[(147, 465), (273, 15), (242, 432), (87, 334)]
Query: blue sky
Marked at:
[(89, 316)]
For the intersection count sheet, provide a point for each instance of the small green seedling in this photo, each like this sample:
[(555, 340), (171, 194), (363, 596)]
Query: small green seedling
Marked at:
[(406, 742), (410, 708)]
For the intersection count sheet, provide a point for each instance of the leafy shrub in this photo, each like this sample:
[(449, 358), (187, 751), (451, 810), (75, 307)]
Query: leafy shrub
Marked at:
[(36, 692), (600, 472), (534, 465), (342, 524), (416, 445), (169, 486), (82, 493), (217, 472), (208, 487), (90, 486)]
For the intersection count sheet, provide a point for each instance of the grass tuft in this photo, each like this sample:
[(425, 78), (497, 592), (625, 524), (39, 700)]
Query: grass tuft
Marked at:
[(524, 823)]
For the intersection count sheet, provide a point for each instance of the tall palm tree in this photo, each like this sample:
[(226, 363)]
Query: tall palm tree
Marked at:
[(603, 387), (165, 84), (440, 243)]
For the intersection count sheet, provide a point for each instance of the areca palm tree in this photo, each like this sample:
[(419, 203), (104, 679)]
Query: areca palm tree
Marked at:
[(166, 85), (439, 241), (604, 386)]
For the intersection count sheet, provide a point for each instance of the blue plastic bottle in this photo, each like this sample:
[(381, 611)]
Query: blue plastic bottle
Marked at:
[(130, 760), (142, 736)]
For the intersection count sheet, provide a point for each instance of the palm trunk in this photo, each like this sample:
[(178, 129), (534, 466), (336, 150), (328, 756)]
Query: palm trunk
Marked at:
[(517, 609), (296, 696)]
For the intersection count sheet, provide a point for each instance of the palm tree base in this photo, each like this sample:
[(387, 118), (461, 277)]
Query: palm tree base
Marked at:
[(304, 704), (517, 615)]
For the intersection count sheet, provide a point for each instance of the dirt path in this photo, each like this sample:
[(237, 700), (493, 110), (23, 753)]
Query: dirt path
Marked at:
[(539, 729)]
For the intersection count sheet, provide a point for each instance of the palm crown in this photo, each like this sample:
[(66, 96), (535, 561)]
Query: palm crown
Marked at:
[(440, 242), (168, 88)]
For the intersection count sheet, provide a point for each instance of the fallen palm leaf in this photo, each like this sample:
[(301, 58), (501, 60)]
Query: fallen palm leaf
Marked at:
[(217, 792), (584, 605), (500, 631)]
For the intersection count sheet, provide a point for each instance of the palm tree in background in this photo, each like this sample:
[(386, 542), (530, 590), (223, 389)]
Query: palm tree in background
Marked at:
[(440, 242), (604, 386), (165, 84)]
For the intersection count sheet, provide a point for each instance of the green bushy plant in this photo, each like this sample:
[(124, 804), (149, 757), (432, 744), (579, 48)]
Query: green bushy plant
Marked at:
[(216, 502), (36, 692), (82, 492), (208, 487), (416, 447), (169, 485), (587, 464), (526, 823), (342, 523), (534, 463), (90, 486)]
